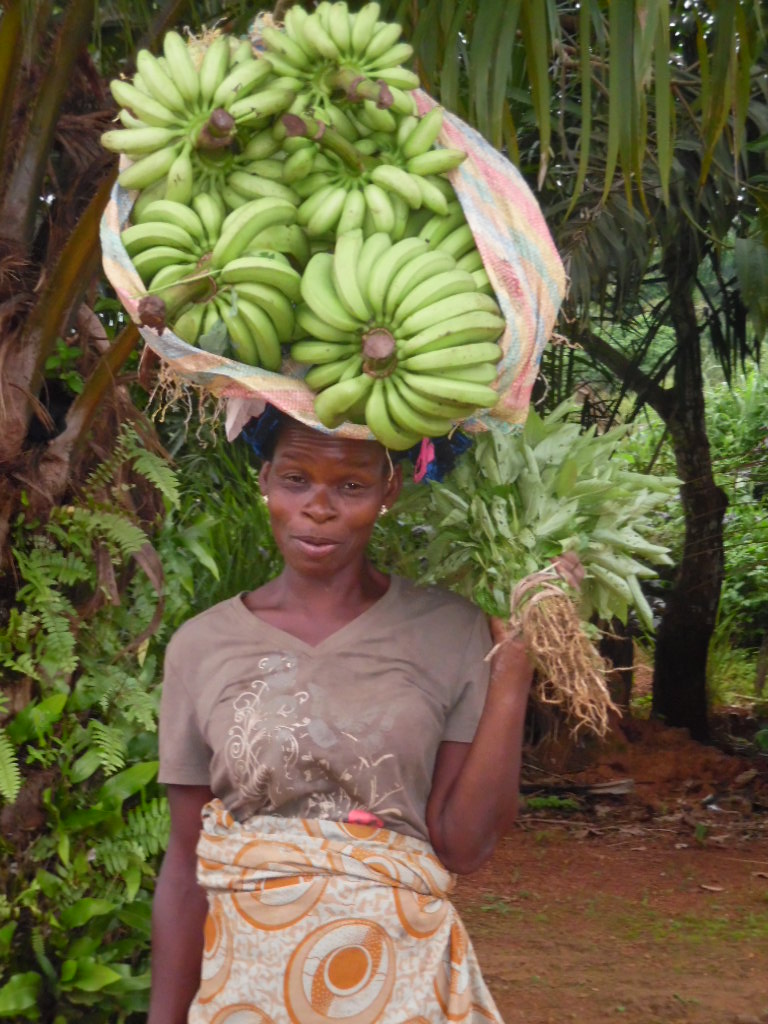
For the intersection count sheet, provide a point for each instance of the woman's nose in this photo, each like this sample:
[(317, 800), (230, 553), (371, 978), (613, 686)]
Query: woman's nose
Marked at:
[(320, 504)]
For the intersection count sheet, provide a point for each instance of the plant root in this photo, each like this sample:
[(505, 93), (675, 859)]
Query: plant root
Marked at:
[(570, 672)]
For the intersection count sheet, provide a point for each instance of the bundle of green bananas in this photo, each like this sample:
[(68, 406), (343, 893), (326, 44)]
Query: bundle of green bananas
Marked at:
[(204, 269), (372, 182), (339, 58), (398, 337), (186, 125)]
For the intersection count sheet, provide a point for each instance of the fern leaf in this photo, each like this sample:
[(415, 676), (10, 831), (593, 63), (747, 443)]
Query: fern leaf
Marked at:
[(10, 775)]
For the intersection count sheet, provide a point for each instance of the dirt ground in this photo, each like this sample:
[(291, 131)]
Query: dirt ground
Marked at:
[(633, 889)]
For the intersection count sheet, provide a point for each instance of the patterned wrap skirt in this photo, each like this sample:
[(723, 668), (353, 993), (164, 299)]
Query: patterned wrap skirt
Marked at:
[(313, 921)]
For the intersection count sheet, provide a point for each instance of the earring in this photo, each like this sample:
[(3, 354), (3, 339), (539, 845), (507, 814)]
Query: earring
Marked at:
[(265, 499), (383, 510)]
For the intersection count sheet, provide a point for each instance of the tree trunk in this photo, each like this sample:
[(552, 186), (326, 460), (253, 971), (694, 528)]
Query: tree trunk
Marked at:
[(682, 640)]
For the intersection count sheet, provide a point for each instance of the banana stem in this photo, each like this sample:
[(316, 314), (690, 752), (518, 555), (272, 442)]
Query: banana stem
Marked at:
[(218, 132), (328, 138), (155, 312), (379, 348), (357, 87)]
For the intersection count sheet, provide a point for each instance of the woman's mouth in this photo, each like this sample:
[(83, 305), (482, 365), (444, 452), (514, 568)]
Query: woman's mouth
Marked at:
[(316, 545)]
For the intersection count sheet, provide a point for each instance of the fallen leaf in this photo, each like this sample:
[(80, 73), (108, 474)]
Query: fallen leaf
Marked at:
[(711, 888)]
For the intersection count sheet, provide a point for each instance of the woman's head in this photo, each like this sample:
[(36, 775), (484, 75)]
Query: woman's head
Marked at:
[(325, 493)]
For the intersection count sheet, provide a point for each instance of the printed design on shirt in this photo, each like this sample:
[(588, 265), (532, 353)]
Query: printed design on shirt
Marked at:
[(264, 736), (277, 751)]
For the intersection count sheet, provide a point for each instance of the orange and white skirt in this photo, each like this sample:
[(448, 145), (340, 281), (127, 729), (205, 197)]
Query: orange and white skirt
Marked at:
[(313, 921)]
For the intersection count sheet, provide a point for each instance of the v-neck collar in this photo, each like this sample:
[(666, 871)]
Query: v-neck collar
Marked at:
[(289, 640)]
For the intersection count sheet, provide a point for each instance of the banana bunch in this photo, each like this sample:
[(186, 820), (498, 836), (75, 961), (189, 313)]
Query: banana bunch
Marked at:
[(340, 58), (210, 267), (173, 112), (398, 337), (370, 182)]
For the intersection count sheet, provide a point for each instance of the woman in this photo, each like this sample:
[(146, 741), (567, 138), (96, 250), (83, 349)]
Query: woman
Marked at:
[(350, 726)]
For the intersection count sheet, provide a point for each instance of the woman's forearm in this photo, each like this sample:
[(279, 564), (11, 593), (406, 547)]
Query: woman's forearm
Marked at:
[(178, 919), (481, 803)]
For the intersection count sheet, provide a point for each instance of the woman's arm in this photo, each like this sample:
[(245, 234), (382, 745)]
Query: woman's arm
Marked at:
[(474, 795), (178, 912)]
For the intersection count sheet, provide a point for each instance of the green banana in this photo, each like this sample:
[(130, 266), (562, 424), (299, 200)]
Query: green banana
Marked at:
[(464, 329), (243, 224), (241, 81), (382, 39), (322, 352), (387, 266), (146, 109), (254, 186), (431, 196), (149, 261), (180, 180), (379, 206), (446, 359), (352, 213), (324, 374), (378, 418), (240, 335), (148, 169), (459, 242), (424, 134), (263, 270), (188, 325), (445, 310), (159, 85), (318, 292), (480, 373), (400, 53), (149, 233), (396, 180), (263, 332), (316, 327), (435, 288), (181, 68), (440, 226), (177, 215), (138, 141), (345, 260), (436, 161), (274, 303), (213, 68), (432, 406), (464, 392), (412, 420), (211, 213), (261, 105), (414, 273), (363, 27), (333, 402), (374, 247), (326, 216)]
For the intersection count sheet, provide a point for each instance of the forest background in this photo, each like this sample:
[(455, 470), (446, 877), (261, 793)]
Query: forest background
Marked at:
[(642, 127)]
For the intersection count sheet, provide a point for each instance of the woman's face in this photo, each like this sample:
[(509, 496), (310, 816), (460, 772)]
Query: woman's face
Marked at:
[(324, 496)]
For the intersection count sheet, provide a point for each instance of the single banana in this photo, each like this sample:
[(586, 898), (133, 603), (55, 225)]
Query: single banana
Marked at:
[(382, 426), (309, 187), (285, 45), (382, 39), (445, 310), (263, 270), (413, 421), (482, 281), (285, 238), (263, 333), (401, 82), (332, 404), (240, 335), (181, 68), (379, 206), (261, 105), (274, 303), (414, 273), (149, 233), (241, 49), (439, 408), (320, 353), (345, 260), (439, 227), (402, 212), (324, 374), (446, 359), (435, 288), (424, 134), (189, 324), (244, 223), (144, 108), (382, 273), (405, 126), (459, 242), (436, 161), (213, 68), (170, 274), (364, 26), (317, 40), (318, 291), (137, 141), (431, 196), (460, 330), (311, 327), (241, 81), (325, 217), (180, 180), (470, 261), (213, 335), (261, 146), (314, 203), (400, 53), (339, 27), (176, 215), (210, 210), (255, 186), (464, 392), (148, 169), (396, 180), (480, 373), (299, 164), (149, 261), (159, 85), (352, 213), (376, 119), (374, 247)]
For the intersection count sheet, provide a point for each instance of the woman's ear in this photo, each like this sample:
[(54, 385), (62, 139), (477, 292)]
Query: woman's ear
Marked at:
[(264, 477), (394, 486)]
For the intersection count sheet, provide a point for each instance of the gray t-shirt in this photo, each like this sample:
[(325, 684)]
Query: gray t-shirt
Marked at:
[(275, 725)]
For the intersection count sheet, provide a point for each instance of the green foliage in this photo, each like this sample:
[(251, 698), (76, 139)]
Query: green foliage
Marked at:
[(515, 501)]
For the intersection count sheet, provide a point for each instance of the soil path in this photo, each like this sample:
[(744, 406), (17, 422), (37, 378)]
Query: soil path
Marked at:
[(648, 907)]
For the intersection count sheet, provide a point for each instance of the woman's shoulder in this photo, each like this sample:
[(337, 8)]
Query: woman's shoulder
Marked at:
[(426, 599), (210, 623)]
